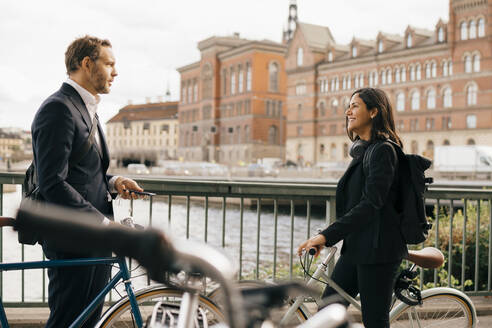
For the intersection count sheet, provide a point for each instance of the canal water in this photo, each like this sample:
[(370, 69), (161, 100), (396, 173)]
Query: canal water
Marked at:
[(177, 227)]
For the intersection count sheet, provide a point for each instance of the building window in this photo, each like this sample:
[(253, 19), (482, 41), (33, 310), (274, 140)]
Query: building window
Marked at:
[(322, 109), (300, 89), (446, 142), (233, 81), (427, 71), (403, 74), (473, 29), (273, 135), (273, 73), (418, 72), (333, 129), (415, 147), (299, 112), (389, 78), (433, 69), (322, 130), (299, 131), (409, 40), (468, 64), (240, 80), (383, 77), (246, 133), (470, 142), (415, 103), (224, 82), (397, 75), (380, 46), (330, 56), (183, 93), (248, 77), (464, 31), (481, 27), (300, 56), (476, 63), (195, 91), (412, 73), (471, 121), (354, 51), (190, 92), (471, 95), (448, 98), (440, 34), (361, 80), (334, 106), (400, 102), (207, 82), (431, 99)]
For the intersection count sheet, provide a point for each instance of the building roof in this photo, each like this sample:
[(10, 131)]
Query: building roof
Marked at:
[(146, 112), (317, 36), (392, 37)]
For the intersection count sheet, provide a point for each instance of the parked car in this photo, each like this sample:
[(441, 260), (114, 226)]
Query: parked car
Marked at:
[(138, 169), (262, 170)]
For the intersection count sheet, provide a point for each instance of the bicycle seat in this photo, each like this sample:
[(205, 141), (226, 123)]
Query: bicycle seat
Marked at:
[(428, 257), (6, 221)]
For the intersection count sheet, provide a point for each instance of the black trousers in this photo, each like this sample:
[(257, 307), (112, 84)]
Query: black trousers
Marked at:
[(71, 289), (374, 283)]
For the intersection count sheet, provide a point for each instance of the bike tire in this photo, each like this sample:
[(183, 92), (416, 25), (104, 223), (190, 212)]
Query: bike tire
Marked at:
[(120, 314), (442, 309)]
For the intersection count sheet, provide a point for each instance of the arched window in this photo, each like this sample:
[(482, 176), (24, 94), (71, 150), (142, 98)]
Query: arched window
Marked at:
[(433, 69), (412, 73), (273, 73), (349, 83), (273, 135), (418, 72), (233, 81), (397, 75), (447, 98), (403, 74), (337, 83), (409, 40), (400, 102), (334, 106), (473, 29), (427, 71), (240, 76), (429, 149), (431, 99), (361, 80), (415, 99), (246, 133), (344, 83), (450, 67), (300, 56), (471, 95), (440, 34), (383, 77), (464, 31), (354, 51), (248, 77), (470, 142), (322, 109), (481, 27), (389, 78), (476, 63), (445, 71), (468, 64), (330, 56), (446, 142), (237, 134), (380, 46)]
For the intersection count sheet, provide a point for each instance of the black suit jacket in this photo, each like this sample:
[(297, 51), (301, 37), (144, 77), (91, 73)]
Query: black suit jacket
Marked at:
[(365, 207), (61, 126)]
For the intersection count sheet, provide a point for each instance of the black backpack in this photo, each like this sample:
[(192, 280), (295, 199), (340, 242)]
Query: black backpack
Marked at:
[(30, 185), (412, 185)]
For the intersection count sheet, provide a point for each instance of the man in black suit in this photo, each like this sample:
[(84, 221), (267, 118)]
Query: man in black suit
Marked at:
[(60, 129)]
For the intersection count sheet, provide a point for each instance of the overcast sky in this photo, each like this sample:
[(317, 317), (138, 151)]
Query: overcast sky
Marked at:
[(151, 38)]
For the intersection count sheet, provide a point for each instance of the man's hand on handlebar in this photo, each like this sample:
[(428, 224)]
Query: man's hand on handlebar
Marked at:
[(315, 243)]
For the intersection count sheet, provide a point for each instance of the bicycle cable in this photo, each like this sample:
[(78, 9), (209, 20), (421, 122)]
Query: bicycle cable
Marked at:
[(306, 272)]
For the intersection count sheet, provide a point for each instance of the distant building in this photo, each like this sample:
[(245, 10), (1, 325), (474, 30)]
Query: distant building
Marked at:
[(232, 106), (439, 82), (10, 143), (144, 133)]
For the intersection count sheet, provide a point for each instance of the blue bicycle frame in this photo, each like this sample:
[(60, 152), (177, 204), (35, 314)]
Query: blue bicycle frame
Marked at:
[(123, 274)]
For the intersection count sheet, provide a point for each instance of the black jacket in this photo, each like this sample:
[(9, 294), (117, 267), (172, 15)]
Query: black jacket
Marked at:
[(61, 125), (365, 207)]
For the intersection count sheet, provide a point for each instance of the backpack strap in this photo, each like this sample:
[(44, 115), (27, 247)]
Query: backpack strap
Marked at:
[(82, 151)]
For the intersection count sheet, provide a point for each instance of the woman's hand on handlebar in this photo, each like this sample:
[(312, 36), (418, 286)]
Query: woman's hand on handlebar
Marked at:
[(317, 243)]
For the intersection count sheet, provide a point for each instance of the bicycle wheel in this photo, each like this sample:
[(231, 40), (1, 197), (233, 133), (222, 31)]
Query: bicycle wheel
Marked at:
[(448, 310), (120, 314)]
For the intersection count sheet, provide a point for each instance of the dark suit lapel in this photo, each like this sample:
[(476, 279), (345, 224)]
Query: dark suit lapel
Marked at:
[(343, 181), (77, 101)]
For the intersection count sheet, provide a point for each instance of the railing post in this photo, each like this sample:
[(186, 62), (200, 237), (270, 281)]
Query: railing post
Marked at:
[(275, 228), (258, 212)]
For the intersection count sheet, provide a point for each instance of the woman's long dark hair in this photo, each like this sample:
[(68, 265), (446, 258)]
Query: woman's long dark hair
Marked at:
[(383, 124)]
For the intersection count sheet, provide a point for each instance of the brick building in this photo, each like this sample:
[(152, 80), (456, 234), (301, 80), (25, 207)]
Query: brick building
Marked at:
[(144, 133), (439, 81), (232, 106)]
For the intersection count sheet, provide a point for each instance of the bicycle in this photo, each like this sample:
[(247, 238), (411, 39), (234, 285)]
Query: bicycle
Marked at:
[(415, 309), (127, 311)]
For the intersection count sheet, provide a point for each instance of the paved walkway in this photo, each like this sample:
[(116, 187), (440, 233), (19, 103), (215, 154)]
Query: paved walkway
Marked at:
[(36, 317)]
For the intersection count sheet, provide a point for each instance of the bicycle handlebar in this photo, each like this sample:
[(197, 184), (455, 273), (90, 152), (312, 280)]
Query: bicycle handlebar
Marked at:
[(79, 232)]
